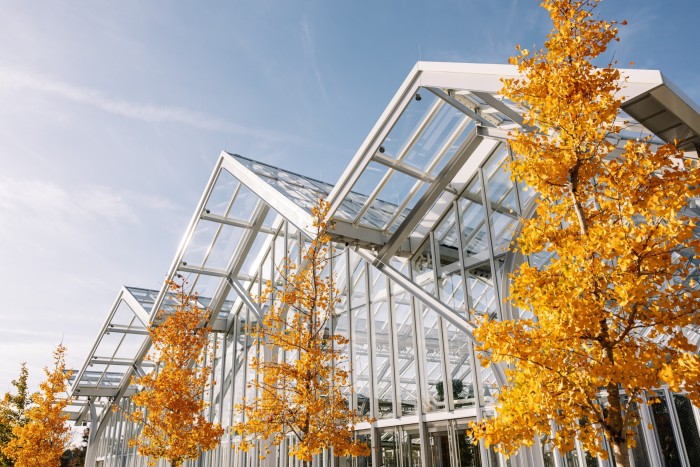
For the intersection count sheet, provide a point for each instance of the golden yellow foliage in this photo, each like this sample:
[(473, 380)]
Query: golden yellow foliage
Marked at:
[(610, 307), (43, 438), (302, 396), (171, 404)]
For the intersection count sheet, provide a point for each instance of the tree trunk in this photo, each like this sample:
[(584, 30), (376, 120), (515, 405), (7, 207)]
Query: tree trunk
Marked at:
[(618, 430), (622, 454)]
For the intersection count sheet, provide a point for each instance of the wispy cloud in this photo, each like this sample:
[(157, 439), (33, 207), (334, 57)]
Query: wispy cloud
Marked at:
[(310, 50), (37, 204), (19, 79)]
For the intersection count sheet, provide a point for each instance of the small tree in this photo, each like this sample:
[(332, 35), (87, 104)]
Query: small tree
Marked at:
[(40, 441), (303, 396), (171, 403), (13, 410), (611, 306)]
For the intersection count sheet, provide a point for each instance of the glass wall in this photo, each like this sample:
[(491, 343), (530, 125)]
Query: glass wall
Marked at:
[(412, 369)]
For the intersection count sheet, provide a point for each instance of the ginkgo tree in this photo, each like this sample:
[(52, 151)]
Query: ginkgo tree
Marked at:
[(42, 438), (303, 381), (13, 411), (611, 306), (170, 405)]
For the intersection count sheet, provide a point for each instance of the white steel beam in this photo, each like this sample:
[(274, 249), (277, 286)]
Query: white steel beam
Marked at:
[(295, 214), (451, 315), (459, 106)]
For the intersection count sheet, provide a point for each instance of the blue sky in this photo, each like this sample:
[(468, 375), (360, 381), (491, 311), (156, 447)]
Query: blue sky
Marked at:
[(113, 113)]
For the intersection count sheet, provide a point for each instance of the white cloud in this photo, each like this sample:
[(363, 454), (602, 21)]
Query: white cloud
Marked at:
[(311, 55), (12, 78), (41, 198), (32, 209)]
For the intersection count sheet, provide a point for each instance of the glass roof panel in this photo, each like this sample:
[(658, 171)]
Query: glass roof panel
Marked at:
[(410, 119), (244, 204), (454, 142), (109, 344), (370, 178), (433, 137), (145, 297), (130, 345), (219, 201), (304, 191), (199, 246), (124, 315), (227, 239), (395, 190)]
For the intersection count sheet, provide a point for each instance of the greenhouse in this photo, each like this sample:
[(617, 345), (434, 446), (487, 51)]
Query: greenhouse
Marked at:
[(423, 218)]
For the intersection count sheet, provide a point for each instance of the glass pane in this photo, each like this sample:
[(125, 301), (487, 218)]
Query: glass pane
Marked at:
[(408, 123), (434, 137), (394, 192), (382, 346), (388, 449), (664, 432), (481, 291), (468, 452), (225, 243), (460, 368), (433, 361), (403, 324), (219, 202), (410, 447), (639, 452), (423, 267), (447, 239), (439, 445), (689, 428), (360, 341), (571, 459)]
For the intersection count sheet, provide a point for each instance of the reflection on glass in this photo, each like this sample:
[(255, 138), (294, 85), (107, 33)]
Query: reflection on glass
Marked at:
[(481, 291), (410, 447), (411, 118), (433, 361), (571, 459), (360, 341), (689, 428), (439, 445), (461, 380), (388, 453), (406, 356), (438, 130), (364, 461), (423, 267), (664, 432), (219, 201), (382, 348), (467, 451)]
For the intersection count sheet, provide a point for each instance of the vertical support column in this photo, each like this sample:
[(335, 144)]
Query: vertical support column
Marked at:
[(419, 348), (442, 328), (372, 364), (395, 376), (91, 453)]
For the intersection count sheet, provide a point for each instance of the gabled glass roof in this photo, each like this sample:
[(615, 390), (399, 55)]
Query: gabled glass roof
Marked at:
[(442, 124), (113, 356)]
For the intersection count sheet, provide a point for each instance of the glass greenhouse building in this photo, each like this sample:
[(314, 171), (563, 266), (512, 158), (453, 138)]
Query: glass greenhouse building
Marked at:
[(424, 215)]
